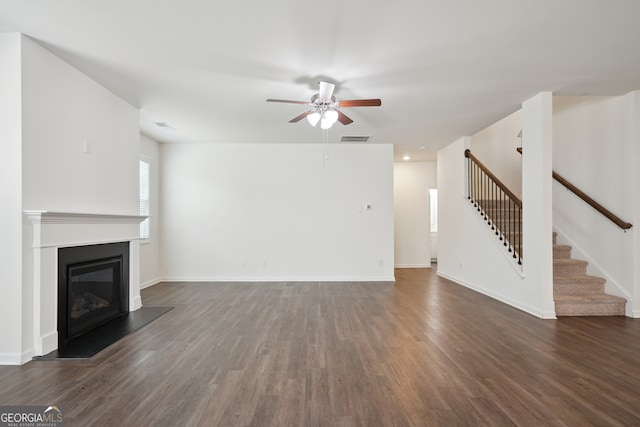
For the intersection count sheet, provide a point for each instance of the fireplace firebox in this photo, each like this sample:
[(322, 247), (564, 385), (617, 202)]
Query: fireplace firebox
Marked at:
[(93, 287)]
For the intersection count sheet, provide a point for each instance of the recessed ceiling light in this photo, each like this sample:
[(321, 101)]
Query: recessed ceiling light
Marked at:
[(407, 157)]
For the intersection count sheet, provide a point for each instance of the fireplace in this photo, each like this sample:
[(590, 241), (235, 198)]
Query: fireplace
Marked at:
[(93, 287)]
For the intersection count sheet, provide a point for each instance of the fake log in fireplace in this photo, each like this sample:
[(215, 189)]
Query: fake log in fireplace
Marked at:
[(93, 287)]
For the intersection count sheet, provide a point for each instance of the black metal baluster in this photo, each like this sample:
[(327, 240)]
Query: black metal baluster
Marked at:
[(497, 205), (520, 236), (503, 216), (507, 236), (475, 185), (492, 217), (484, 195), (468, 178)]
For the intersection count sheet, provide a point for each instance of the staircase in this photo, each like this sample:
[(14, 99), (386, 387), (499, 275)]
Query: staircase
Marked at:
[(574, 292), (577, 294)]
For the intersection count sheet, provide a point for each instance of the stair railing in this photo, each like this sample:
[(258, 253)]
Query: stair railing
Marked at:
[(597, 206), (588, 200), (498, 206)]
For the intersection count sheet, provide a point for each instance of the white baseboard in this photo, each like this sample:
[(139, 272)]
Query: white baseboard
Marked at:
[(49, 342), (413, 265), (10, 359), (150, 283), (279, 279), (508, 301), (137, 303), (16, 358)]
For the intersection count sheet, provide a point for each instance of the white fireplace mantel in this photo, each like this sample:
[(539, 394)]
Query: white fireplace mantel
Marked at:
[(53, 230)]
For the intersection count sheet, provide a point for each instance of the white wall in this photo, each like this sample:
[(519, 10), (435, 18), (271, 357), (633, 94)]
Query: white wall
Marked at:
[(150, 265), (277, 211), (593, 149), (411, 184), (537, 224), (496, 145), (63, 109), (469, 252), (51, 110), (11, 196), (634, 154)]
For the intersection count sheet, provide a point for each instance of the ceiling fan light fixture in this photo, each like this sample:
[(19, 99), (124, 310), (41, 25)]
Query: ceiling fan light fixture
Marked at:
[(313, 118), (324, 107), (329, 117)]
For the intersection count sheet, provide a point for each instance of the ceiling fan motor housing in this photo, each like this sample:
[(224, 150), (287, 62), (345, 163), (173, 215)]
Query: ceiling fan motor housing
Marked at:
[(326, 90)]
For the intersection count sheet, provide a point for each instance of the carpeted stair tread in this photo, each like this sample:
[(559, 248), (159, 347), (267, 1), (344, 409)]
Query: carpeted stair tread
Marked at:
[(575, 293), (578, 279), (577, 288), (578, 285)]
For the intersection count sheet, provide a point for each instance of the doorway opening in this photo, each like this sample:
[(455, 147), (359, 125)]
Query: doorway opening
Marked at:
[(433, 214)]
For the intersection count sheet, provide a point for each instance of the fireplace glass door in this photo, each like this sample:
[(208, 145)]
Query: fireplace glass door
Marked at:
[(94, 292)]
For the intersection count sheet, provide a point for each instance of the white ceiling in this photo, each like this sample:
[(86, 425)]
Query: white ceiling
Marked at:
[(442, 69)]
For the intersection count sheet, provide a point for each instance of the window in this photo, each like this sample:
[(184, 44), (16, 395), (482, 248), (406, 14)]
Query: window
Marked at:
[(433, 211), (144, 198)]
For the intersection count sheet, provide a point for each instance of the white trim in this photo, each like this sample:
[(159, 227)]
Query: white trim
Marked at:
[(500, 298), (72, 243), (413, 265), (150, 283), (46, 217), (10, 359), (278, 279), (136, 304), (16, 358), (54, 230), (49, 340)]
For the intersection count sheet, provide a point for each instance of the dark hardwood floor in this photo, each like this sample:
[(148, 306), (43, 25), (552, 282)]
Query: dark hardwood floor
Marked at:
[(421, 352)]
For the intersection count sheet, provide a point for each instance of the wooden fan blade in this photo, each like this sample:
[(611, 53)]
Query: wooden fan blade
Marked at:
[(360, 103), (300, 117), (343, 119), (286, 101)]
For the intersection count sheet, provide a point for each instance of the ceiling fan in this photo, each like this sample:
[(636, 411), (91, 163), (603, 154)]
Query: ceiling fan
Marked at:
[(324, 107)]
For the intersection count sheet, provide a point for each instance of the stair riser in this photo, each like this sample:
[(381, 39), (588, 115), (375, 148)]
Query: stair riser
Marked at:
[(569, 269), (561, 253)]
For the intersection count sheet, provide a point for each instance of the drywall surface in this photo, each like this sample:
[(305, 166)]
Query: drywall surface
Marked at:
[(277, 211)]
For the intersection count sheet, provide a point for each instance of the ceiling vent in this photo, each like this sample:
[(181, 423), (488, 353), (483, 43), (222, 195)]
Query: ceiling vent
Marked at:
[(164, 125), (364, 138)]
